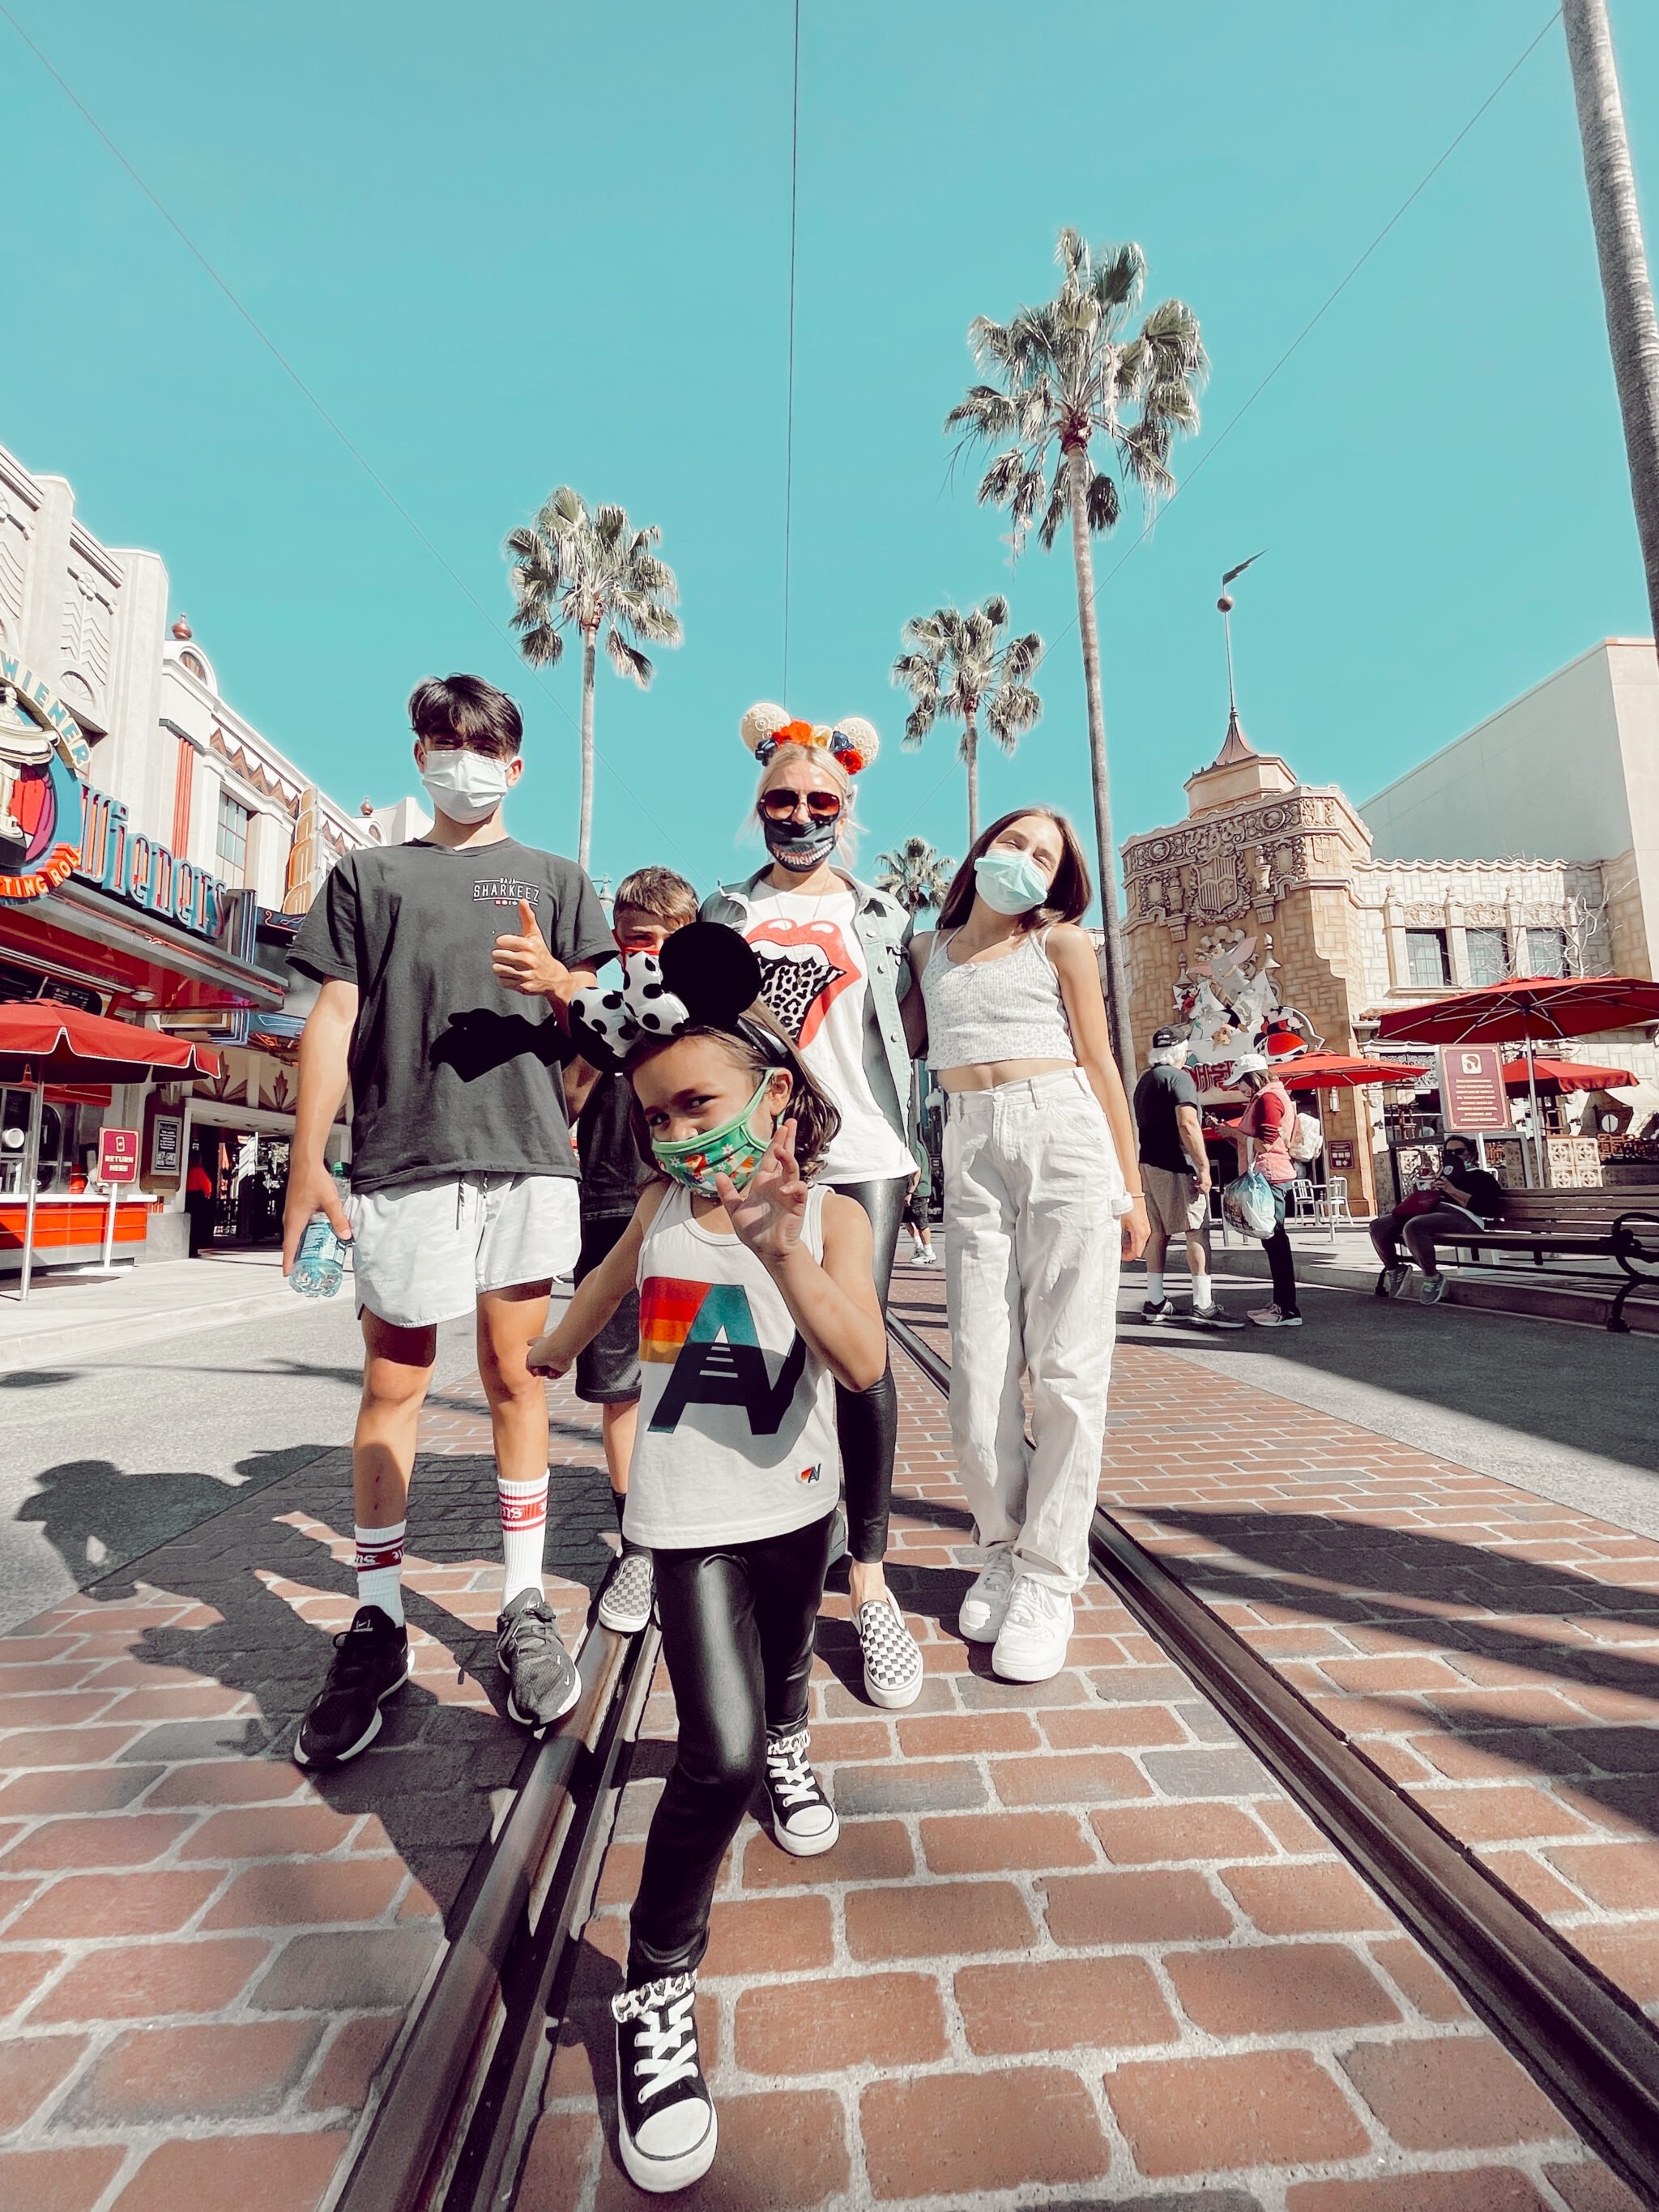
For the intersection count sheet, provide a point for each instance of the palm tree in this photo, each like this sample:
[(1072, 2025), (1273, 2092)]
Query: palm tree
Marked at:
[(915, 875), (1065, 374), (587, 571), (956, 664), (1626, 289)]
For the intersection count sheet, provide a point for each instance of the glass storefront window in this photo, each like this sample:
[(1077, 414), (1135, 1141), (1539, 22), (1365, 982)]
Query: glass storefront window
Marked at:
[(1489, 955), (57, 1140)]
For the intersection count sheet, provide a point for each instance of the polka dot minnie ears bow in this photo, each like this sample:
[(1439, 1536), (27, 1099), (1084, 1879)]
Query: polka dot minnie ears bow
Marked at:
[(852, 742), (705, 976)]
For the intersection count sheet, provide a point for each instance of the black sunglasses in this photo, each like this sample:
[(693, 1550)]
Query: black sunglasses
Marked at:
[(780, 806)]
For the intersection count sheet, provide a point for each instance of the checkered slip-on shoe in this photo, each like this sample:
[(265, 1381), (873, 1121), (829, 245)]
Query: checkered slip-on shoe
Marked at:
[(892, 1658)]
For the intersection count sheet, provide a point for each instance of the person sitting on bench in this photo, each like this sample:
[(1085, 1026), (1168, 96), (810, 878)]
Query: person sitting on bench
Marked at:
[(1463, 1193)]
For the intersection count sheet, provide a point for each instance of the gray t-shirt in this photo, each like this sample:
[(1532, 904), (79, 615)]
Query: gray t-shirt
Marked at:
[(451, 1073)]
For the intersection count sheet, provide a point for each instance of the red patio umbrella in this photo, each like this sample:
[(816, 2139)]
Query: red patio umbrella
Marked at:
[(1527, 1007), (42, 1043), (1339, 1071), (1557, 1076)]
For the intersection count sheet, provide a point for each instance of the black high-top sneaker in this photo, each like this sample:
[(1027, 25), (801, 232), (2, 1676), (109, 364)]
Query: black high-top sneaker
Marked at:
[(371, 1660), (803, 1820), (665, 2115)]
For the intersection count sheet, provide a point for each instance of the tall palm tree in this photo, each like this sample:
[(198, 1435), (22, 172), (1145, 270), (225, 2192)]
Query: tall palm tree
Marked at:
[(591, 572), (915, 875), (1626, 291), (956, 664), (1067, 373)]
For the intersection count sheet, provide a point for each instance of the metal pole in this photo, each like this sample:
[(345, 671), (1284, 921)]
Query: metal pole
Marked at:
[(1538, 1162), (31, 1180), (109, 1233)]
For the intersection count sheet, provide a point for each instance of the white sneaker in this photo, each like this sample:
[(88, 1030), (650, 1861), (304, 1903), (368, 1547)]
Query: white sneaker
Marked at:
[(925, 1258), (1036, 1630), (1271, 1318), (980, 1621)]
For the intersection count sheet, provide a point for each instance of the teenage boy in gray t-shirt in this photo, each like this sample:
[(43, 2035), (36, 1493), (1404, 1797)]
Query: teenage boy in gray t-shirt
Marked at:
[(444, 968)]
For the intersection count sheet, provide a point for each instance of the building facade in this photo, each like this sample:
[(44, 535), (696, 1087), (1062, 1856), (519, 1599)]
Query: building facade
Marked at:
[(1272, 893), (156, 855)]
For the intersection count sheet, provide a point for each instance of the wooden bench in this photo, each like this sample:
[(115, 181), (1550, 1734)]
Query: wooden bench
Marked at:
[(1561, 1229)]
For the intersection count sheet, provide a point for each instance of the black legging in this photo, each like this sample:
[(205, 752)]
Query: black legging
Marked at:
[(1281, 1261), (738, 1621), (866, 1421)]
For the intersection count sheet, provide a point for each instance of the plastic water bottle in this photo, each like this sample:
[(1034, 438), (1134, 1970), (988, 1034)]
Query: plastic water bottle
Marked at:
[(319, 1264)]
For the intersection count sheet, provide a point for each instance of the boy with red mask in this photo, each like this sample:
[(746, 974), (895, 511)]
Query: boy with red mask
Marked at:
[(651, 904)]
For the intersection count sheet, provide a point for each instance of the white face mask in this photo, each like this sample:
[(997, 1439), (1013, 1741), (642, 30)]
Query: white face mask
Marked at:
[(466, 786)]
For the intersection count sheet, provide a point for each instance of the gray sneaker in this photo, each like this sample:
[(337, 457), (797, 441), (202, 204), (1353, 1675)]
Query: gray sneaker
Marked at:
[(626, 1602), (543, 1683), (1434, 1289), (1213, 1317)]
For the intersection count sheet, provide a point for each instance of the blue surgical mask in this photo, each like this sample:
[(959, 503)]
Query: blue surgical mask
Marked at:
[(1010, 883)]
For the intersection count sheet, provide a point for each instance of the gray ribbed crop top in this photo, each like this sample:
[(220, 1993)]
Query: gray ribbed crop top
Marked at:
[(992, 1009)]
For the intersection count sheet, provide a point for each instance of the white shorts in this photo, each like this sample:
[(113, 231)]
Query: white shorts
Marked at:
[(425, 1252)]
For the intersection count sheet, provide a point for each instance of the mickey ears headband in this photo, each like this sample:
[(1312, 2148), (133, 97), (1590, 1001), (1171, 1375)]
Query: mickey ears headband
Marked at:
[(705, 976), (852, 742)]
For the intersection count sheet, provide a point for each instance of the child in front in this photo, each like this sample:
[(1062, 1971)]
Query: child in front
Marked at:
[(757, 1298)]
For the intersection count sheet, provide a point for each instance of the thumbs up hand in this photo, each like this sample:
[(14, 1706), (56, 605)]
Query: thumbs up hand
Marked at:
[(524, 962)]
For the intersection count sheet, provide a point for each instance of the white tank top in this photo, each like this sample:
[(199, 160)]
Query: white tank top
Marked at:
[(737, 1423), (990, 1010)]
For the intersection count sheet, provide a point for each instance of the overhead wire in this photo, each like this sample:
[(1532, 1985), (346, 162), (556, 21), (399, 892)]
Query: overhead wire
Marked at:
[(789, 393), (1306, 330), (311, 396)]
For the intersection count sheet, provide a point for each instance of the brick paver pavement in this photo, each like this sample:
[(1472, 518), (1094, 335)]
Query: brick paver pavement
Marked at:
[(205, 1955), (1073, 1948)]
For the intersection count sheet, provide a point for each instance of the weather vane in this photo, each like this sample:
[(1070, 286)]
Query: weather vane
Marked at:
[(1224, 603)]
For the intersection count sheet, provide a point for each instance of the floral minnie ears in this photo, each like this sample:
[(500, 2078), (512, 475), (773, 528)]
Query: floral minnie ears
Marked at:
[(705, 976), (852, 742)]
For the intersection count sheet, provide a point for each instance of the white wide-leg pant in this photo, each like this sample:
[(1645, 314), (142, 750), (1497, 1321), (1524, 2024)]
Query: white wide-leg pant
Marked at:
[(1033, 1198)]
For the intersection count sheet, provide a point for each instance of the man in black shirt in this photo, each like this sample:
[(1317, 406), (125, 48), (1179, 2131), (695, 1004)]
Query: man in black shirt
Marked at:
[(1175, 1172), (444, 967), (1464, 1192)]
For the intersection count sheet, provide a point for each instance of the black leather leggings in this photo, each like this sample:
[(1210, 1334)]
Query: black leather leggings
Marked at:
[(866, 1421), (737, 1622)]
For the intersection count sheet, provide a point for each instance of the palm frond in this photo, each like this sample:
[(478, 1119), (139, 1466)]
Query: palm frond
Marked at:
[(627, 659)]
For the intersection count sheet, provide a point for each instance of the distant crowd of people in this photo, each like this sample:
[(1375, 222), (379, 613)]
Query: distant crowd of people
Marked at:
[(744, 1158)]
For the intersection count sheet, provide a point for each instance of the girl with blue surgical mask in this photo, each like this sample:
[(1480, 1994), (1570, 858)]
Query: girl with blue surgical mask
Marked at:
[(757, 1298), (1038, 1215)]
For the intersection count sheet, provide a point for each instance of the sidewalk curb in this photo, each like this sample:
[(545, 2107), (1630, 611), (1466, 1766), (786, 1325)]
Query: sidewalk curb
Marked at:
[(47, 1348)]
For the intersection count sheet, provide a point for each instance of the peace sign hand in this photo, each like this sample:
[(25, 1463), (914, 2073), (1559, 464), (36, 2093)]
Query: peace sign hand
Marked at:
[(768, 1214)]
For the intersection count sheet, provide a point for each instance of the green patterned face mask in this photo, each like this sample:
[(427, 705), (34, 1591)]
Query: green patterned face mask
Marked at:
[(734, 1149)]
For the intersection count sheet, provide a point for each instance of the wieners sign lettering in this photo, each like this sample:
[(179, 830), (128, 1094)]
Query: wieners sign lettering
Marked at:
[(68, 829)]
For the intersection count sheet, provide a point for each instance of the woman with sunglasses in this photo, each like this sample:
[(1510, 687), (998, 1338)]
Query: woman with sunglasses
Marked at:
[(835, 962)]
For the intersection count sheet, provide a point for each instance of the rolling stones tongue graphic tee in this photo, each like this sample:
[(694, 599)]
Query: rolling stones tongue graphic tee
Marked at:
[(817, 988)]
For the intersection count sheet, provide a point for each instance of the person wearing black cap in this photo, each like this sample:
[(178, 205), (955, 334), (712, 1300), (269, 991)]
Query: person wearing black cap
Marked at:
[(1175, 1171)]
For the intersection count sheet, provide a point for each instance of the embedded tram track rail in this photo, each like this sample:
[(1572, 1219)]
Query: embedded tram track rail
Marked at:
[(450, 2130), (1594, 2052)]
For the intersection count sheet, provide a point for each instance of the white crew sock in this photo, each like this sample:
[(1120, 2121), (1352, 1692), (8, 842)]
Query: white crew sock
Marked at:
[(1203, 1296), (524, 1529), (380, 1569), (1154, 1285)]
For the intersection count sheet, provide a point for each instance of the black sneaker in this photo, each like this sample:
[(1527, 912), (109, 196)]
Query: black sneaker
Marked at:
[(665, 2114), (1392, 1280), (1156, 1310), (371, 1660), (803, 1820), (544, 1678), (625, 1603)]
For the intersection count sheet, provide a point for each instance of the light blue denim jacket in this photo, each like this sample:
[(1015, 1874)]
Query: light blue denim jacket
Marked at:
[(884, 930)]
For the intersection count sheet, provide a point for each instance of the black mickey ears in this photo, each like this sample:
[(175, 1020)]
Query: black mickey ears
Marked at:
[(712, 971)]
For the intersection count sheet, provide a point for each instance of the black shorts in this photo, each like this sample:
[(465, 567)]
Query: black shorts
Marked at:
[(608, 1372)]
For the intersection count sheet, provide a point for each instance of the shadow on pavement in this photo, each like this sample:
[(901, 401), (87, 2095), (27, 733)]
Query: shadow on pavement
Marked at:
[(1347, 1571), (1578, 1387)]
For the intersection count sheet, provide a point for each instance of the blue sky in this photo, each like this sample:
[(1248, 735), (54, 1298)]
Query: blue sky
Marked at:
[(512, 247)]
